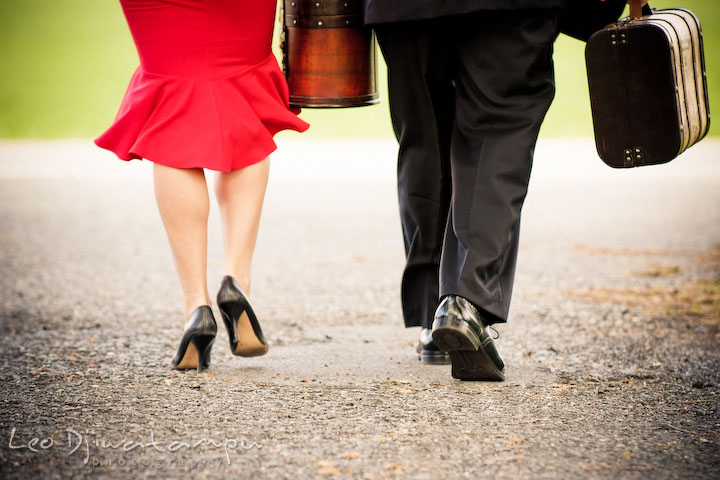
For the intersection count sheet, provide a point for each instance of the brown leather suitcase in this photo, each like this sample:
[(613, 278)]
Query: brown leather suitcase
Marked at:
[(328, 54), (648, 88)]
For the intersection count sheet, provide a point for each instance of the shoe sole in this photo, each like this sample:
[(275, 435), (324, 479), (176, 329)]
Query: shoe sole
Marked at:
[(467, 365), (247, 344), (468, 358), (197, 354), (434, 358)]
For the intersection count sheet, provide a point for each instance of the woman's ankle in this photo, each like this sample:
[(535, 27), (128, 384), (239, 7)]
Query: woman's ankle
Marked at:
[(243, 280), (191, 306)]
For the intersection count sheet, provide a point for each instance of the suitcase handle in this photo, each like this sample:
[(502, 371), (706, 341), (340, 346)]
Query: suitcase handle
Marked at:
[(636, 8)]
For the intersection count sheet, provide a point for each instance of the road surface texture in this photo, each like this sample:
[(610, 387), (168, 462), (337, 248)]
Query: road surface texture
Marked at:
[(613, 365)]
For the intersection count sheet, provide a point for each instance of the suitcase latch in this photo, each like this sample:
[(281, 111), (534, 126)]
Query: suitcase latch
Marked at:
[(619, 36), (633, 157)]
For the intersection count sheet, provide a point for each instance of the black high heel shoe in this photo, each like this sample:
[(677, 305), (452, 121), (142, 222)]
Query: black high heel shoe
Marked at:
[(246, 336), (194, 349)]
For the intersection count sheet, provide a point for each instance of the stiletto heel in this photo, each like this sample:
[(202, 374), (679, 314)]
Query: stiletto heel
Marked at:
[(203, 344), (246, 336), (206, 359), (197, 341)]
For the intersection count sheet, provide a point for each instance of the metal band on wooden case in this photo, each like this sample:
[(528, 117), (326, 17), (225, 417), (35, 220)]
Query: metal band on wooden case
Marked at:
[(323, 13)]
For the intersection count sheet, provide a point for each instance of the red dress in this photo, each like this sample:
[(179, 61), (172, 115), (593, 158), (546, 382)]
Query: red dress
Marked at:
[(208, 92)]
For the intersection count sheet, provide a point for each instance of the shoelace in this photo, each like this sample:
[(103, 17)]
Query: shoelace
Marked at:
[(475, 309)]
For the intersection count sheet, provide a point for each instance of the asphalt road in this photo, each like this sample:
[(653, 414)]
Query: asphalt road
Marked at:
[(613, 366)]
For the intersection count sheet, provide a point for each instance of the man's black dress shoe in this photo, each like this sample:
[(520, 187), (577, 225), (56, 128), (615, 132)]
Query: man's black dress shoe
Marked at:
[(459, 329), (428, 351)]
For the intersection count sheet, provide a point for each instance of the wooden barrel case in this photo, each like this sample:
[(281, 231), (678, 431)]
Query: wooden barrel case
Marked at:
[(329, 56)]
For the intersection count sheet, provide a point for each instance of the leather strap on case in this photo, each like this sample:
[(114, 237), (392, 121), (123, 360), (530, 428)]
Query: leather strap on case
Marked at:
[(636, 8)]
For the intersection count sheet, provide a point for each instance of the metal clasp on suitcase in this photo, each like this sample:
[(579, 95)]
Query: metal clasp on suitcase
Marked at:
[(633, 157), (619, 35)]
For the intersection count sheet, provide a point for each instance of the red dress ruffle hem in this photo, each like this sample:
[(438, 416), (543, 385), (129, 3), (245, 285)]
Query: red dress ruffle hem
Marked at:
[(208, 92)]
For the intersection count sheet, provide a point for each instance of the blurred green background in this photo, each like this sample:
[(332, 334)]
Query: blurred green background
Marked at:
[(65, 66)]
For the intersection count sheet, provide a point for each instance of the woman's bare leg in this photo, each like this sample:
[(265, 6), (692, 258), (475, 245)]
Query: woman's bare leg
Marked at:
[(182, 199), (240, 194)]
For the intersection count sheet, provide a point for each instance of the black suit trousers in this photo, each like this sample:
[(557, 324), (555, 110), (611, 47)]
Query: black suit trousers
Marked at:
[(468, 94)]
